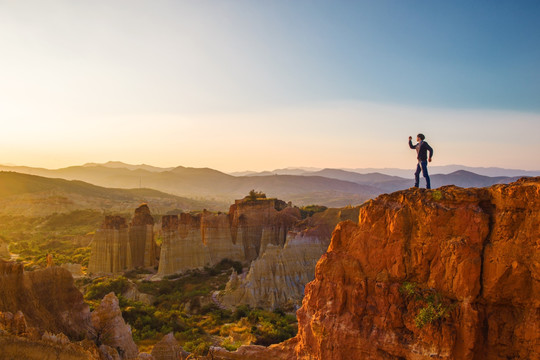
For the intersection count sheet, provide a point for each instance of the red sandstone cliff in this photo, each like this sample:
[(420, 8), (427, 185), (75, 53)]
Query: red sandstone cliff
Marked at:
[(479, 249)]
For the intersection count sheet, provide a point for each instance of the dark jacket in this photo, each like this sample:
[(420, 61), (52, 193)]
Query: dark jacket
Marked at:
[(422, 152)]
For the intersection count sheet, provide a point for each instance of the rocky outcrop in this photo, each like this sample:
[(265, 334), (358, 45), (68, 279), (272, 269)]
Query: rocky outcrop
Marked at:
[(20, 341), (216, 235), (141, 238), (278, 277), (477, 248), (111, 251), (117, 247), (472, 254), (193, 241), (111, 332), (257, 223), (182, 247), (132, 293), (47, 297), (169, 349)]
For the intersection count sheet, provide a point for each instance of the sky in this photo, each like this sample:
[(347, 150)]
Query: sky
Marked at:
[(260, 85)]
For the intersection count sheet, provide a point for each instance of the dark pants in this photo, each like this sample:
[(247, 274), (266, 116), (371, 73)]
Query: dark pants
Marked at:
[(422, 166)]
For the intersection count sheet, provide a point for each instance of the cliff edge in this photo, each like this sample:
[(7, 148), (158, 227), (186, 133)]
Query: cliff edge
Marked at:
[(450, 273)]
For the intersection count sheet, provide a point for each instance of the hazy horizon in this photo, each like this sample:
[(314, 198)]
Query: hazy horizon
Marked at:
[(253, 85), (299, 167)]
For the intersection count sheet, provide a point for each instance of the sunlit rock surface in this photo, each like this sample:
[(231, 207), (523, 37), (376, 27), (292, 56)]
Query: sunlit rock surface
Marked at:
[(477, 248), (216, 235), (182, 246), (111, 251), (257, 223)]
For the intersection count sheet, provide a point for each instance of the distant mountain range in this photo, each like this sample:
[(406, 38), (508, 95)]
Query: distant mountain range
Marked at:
[(406, 173), (30, 195), (212, 188)]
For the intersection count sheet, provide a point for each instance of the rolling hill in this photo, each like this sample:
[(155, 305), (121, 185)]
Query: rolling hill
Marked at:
[(31, 195), (330, 187), (212, 184)]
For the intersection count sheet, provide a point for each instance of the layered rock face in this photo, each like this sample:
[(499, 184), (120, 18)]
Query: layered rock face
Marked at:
[(141, 238), (278, 277), (191, 241), (478, 248), (257, 223), (216, 235), (117, 247), (194, 241), (182, 247), (47, 297), (111, 251)]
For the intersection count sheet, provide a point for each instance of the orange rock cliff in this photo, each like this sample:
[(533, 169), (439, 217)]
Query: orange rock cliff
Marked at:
[(450, 273)]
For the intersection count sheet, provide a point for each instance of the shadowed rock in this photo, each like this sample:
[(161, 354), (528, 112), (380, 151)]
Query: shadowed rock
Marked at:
[(48, 299), (111, 330)]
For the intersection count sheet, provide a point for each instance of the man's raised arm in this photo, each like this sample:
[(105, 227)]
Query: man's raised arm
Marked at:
[(410, 143)]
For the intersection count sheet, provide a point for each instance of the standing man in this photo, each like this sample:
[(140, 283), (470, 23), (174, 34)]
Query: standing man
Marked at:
[(421, 150)]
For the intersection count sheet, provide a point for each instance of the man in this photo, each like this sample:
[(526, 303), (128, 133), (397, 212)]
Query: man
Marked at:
[(421, 150)]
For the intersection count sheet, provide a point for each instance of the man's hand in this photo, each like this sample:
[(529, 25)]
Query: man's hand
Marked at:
[(410, 138), (429, 159)]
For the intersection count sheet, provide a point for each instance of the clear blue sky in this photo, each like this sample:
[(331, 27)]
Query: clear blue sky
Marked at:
[(257, 85)]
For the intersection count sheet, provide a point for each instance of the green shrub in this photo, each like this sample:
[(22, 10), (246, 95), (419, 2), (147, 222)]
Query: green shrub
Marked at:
[(309, 210), (199, 347), (102, 286), (435, 306), (430, 313), (241, 312), (255, 195)]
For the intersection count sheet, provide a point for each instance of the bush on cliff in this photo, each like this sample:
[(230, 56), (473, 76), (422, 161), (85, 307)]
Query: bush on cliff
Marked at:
[(309, 210), (255, 195), (434, 305)]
